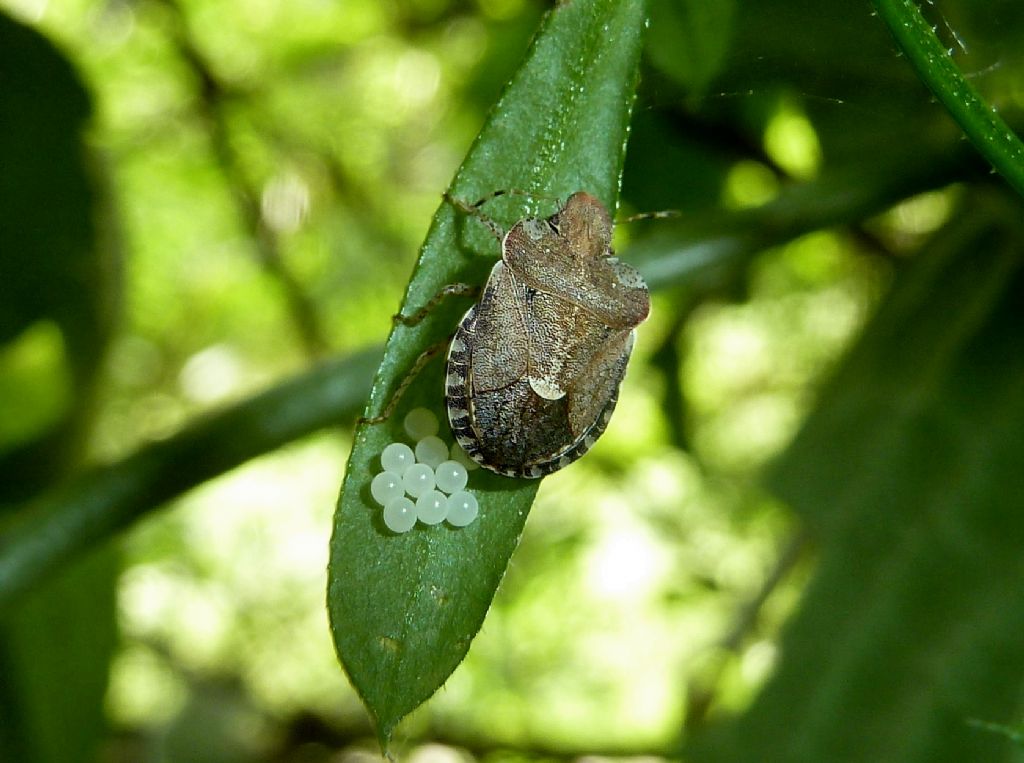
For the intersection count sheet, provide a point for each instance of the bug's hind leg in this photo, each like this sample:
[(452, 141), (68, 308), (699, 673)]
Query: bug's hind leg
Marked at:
[(424, 357)]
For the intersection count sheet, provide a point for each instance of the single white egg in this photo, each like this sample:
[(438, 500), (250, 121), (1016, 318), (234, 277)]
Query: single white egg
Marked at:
[(418, 479), (432, 507), (420, 423), (451, 476), (400, 515), (431, 451), (397, 457), (462, 508), (385, 487)]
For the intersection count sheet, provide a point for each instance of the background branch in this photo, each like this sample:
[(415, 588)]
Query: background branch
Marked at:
[(103, 501), (213, 95)]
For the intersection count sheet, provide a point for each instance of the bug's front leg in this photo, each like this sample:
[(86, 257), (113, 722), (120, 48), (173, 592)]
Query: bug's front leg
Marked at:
[(451, 290), (473, 210)]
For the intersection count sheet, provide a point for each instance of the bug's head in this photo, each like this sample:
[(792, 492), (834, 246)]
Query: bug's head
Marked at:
[(585, 224)]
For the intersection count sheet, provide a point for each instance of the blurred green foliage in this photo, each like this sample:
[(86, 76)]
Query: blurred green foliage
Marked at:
[(798, 541)]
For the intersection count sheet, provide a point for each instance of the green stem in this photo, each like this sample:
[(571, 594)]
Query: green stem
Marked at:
[(991, 136)]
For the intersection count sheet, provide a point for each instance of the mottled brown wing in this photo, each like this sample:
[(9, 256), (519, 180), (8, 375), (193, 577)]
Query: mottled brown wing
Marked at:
[(564, 338), (500, 350), (592, 389), (569, 255)]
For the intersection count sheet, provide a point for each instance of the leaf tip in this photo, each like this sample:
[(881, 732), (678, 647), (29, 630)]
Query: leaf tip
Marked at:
[(385, 730)]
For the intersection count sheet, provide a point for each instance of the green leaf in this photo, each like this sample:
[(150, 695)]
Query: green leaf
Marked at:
[(910, 476), (690, 39), (55, 273), (404, 608), (57, 261), (55, 652), (1014, 733), (46, 268)]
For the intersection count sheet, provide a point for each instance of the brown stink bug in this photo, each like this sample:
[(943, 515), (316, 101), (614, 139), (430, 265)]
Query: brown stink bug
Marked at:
[(534, 368)]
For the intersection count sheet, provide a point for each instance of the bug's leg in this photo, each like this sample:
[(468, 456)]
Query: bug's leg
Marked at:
[(424, 358), (518, 192), (451, 290), (495, 194), (474, 211)]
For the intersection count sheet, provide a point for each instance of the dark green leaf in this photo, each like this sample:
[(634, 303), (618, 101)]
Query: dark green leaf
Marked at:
[(404, 608), (55, 652), (45, 193), (689, 39), (910, 474), (839, 65), (55, 649), (56, 259)]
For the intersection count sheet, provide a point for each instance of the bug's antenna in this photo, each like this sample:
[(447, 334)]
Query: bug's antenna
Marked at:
[(474, 209), (517, 192), (661, 215)]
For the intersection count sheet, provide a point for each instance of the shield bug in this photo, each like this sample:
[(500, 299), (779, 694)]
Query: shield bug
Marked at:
[(534, 368)]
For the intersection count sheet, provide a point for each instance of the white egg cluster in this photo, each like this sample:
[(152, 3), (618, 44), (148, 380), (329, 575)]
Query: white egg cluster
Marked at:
[(426, 484)]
